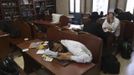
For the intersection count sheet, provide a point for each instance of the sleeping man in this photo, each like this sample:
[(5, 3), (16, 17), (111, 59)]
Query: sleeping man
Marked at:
[(69, 50)]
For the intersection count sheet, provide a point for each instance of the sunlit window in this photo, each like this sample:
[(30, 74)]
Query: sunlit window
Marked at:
[(74, 6), (130, 6), (100, 5)]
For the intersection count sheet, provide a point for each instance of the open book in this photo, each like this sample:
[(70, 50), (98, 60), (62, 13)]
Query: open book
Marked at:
[(35, 44), (38, 45)]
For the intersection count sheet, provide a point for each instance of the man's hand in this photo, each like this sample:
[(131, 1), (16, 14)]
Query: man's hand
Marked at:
[(64, 56), (109, 29)]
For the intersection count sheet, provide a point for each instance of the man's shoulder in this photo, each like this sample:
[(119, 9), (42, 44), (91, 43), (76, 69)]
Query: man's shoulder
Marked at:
[(70, 41), (116, 19)]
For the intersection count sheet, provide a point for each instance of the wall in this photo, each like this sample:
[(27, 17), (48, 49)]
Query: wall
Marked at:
[(112, 4), (122, 4), (88, 6), (62, 6), (82, 7)]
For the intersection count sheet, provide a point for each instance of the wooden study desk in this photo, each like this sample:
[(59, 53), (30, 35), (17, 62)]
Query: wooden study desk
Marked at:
[(43, 23), (54, 67)]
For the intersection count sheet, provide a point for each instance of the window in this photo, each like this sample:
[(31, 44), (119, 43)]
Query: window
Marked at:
[(100, 5), (74, 6), (130, 6)]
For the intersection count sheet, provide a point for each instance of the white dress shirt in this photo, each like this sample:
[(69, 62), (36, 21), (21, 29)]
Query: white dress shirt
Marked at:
[(80, 52), (115, 26)]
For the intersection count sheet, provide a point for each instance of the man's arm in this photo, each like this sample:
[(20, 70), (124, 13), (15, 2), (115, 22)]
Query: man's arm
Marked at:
[(64, 56), (104, 26), (116, 25), (83, 58)]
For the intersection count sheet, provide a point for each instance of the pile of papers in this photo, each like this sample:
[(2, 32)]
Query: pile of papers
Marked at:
[(41, 47), (47, 58)]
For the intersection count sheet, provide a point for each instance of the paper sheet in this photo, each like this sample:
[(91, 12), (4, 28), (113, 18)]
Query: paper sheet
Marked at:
[(47, 58), (40, 52), (24, 50)]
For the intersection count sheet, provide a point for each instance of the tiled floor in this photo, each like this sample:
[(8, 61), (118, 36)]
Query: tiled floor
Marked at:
[(123, 62)]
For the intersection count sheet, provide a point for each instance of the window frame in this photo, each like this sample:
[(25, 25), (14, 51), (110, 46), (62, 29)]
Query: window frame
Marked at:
[(74, 7), (126, 8), (107, 7)]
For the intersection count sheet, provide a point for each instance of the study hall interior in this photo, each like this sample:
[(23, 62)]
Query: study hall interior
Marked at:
[(66, 37)]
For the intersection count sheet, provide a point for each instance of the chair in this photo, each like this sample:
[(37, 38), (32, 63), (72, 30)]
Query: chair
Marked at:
[(94, 16), (77, 19), (127, 30), (64, 20)]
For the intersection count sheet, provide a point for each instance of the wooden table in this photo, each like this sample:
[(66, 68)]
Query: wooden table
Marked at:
[(43, 23), (54, 67)]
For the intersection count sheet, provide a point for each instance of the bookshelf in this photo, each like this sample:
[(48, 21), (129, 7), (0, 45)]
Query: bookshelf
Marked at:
[(9, 9), (51, 6), (39, 6), (45, 7), (26, 8)]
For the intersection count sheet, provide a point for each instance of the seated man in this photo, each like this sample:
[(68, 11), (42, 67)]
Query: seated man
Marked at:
[(69, 50), (111, 29), (111, 24)]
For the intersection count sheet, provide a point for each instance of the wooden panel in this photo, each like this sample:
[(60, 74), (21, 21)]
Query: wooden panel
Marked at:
[(4, 47)]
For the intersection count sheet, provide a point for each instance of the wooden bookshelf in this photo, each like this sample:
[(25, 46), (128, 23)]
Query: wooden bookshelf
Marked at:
[(45, 7), (9, 9), (39, 6), (51, 6), (26, 8)]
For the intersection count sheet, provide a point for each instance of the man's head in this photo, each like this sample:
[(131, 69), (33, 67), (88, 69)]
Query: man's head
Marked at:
[(56, 46), (110, 17)]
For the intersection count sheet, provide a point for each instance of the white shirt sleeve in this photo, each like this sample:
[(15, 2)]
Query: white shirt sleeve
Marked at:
[(115, 24), (117, 32), (105, 26), (80, 53), (51, 53), (83, 58)]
